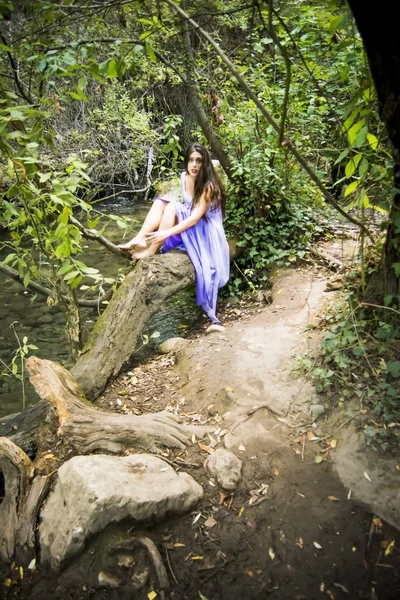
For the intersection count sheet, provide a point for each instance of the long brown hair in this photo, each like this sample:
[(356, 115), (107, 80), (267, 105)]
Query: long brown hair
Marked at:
[(207, 179)]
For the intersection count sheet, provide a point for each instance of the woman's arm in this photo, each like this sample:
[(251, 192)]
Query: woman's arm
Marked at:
[(200, 209)]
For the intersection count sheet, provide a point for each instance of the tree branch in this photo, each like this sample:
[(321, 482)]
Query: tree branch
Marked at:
[(251, 94), (44, 291), (15, 75), (92, 234)]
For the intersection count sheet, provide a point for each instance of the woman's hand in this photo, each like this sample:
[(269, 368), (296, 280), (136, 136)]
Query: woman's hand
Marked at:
[(157, 237)]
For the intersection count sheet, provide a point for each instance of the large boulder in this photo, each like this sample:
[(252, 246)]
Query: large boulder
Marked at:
[(93, 491)]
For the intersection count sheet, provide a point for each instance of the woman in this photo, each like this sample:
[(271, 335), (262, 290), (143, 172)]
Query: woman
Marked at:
[(194, 225)]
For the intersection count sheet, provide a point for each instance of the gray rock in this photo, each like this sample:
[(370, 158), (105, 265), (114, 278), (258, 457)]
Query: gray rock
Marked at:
[(171, 344), (215, 328), (264, 296), (139, 580), (108, 581), (317, 410), (226, 467), (45, 319), (93, 491)]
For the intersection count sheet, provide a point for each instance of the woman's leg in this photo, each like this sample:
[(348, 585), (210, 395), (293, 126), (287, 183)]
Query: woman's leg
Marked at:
[(168, 220), (151, 223)]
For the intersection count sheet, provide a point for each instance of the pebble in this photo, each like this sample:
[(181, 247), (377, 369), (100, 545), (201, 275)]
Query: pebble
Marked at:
[(215, 327)]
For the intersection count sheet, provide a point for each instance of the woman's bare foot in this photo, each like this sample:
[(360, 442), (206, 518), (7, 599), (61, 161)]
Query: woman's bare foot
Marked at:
[(136, 242), (150, 251)]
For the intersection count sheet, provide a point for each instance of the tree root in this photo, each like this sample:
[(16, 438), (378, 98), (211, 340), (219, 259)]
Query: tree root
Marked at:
[(88, 429)]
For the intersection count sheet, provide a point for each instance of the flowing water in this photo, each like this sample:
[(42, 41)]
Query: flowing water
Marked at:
[(23, 313)]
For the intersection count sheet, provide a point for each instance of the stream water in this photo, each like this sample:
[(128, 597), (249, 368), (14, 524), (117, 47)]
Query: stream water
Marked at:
[(23, 313)]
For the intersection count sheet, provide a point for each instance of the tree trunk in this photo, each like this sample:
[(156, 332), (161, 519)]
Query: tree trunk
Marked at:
[(88, 429), (198, 108), (378, 28), (115, 336)]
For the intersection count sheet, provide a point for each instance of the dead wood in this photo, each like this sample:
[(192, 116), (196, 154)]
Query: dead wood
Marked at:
[(117, 332), (330, 261), (89, 429), (23, 428), (20, 506)]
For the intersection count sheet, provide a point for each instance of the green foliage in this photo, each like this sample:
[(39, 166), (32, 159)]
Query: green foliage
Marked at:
[(170, 152), (358, 360), (16, 368), (272, 213), (37, 207)]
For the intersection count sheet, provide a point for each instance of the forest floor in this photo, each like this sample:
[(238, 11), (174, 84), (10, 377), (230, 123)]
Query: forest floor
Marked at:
[(295, 528)]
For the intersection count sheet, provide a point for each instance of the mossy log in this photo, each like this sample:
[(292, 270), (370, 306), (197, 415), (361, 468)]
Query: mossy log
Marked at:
[(117, 332)]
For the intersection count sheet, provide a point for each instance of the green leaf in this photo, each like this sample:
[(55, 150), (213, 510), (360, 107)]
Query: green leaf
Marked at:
[(43, 177), (11, 208), (89, 270), (64, 268), (6, 48), (351, 188), (151, 53), (373, 141), (71, 275), (82, 83), (342, 156), (318, 459), (352, 165), (74, 95), (81, 94), (363, 168), (393, 368), (112, 69), (353, 131), (396, 267), (93, 224), (361, 135)]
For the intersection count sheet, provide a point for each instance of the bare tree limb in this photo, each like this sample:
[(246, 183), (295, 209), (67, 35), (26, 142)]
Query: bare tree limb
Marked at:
[(14, 70), (44, 291), (93, 234)]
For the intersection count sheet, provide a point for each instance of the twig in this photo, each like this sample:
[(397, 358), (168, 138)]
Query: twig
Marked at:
[(380, 306), (348, 420), (302, 448), (92, 234), (251, 412), (259, 501), (169, 567), (370, 534)]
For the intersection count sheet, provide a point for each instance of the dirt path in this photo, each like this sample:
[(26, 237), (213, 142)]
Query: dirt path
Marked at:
[(292, 529)]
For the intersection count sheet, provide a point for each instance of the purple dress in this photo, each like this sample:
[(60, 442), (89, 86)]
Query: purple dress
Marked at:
[(207, 248)]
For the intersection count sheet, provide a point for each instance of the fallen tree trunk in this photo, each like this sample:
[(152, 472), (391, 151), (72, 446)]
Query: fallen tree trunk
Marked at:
[(116, 334), (89, 429)]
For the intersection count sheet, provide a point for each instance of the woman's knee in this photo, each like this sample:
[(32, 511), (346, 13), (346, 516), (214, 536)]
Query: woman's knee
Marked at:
[(170, 208), (160, 204)]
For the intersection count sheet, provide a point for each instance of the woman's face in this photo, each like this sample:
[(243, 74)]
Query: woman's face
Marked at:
[(195, 163)]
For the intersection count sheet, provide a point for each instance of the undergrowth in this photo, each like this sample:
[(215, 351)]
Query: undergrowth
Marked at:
[(358, 359)]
